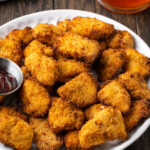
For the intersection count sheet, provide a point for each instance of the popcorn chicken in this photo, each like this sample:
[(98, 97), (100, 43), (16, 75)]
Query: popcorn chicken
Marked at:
[(113, 93), (135, 85), (121, 39), (23, 35), (26, 73), (64, 116), (11, 49), (38, 47), (35, 98), (110, 62), (139, 109), (137, 62), (69, 68), (75, 46), (107, 125), (81, 90), (91, 27), (15, 132), (44, 138), (43, 68), (62, 25)]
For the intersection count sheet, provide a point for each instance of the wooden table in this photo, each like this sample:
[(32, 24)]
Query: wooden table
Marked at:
[(139, 23)]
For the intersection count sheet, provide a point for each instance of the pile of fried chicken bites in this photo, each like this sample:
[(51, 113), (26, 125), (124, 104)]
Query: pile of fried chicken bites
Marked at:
[(83, 113)]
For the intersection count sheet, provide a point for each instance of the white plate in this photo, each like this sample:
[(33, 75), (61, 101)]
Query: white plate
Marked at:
[(53, 17)]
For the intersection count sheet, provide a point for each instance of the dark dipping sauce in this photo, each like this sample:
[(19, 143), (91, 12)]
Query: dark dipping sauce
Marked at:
[(7, 82)]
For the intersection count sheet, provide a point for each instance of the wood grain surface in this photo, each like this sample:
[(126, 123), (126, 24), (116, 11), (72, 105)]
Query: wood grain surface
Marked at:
[(139, 23)]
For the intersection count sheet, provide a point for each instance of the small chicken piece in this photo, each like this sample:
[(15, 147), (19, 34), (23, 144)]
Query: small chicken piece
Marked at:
[(36, 46), (91, 28), (15, 133), (43, 68), (72, 141), (2, 98), (121, 39), (13, 112), (113, 93), (139, 109), (64, 116), (44, 138), (69, 68), (23, 35), (62, 25), (110, 62), (135, 85), (81, 90), (11, 49), (75, 46), (35, 98), (46, 33), (92, 110), (137, 62), (107, 125), (26, 73)]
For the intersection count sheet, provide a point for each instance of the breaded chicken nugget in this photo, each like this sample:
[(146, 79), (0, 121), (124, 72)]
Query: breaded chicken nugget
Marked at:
[(23, 35), (62, 25), (107, 125), (35, 98), (121, 39), (75, 46), (113, 93), (135, 85), (139, 109), (11, 49), (64, 116), (13, 112), (15, 132), (38, 47), (91, 28), (46, 33), (43, 68), (110, 62), (81, 90), (44, 138), (72, 141), (92, 110), (2, 98), (26, 73), (69, 68), (137, 62)]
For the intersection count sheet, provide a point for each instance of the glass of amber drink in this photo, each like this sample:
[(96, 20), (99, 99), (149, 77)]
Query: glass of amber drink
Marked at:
[(125, 6)]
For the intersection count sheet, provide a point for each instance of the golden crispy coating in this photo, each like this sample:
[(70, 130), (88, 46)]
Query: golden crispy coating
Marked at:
[(46, 33), (25, 72), (92, 110), (38, 47), (44, 138), (64, 116), (15, 132), (23, 35), (110, 62), (91, 28), (35, 98), (13, 112), (137, 62), (77, 47), (2, 98), (113, 93), (135, 85), (69, 68), (121, 39), (72, 141), (81, 90), (43, 68), (11, 49), (62, 25), (107, 125), (139, 109)]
